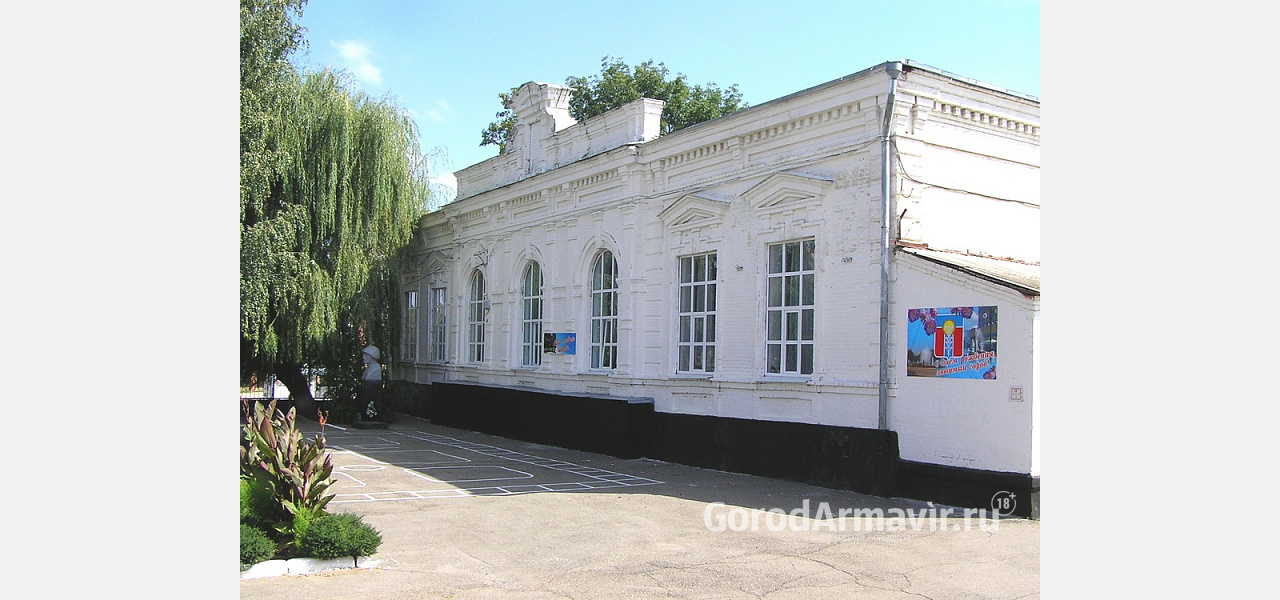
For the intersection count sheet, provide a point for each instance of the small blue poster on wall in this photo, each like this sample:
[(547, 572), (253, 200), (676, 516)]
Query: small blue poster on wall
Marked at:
[(558, 343), (954, 342)]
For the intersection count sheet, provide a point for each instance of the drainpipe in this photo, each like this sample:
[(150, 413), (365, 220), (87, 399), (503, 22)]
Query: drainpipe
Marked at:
[(893, 69)]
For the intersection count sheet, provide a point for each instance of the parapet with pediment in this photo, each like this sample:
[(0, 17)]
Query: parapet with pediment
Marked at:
[(547, 137)]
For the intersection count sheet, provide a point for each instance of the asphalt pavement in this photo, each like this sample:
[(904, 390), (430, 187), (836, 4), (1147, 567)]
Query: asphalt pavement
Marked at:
[(468, 515)]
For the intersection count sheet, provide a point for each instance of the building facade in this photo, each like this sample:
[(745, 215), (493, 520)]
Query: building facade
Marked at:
[(839, 286)]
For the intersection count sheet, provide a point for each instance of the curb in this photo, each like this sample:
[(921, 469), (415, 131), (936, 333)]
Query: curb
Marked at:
[(305, 566)]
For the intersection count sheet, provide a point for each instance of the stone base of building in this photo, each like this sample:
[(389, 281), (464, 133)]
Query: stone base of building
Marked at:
[(848, 458), (604, 424), (970, 488)]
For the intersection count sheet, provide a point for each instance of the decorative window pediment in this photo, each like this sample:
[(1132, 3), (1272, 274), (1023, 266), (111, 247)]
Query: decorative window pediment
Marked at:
[(435, 263), (786, 190), (694, 210)]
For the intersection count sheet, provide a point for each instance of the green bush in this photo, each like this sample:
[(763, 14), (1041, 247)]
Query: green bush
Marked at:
[(255, 545), (256, 504), (342, 378), (342, 534), (301, 520)]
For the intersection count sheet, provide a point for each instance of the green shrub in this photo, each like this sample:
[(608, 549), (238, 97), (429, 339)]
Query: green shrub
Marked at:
[(255, 545), (255, 504), (342, 534), (301, 520), (342, 377)]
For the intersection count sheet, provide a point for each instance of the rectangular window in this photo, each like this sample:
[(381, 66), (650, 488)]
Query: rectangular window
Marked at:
[(410, 339), (789, 320), (436, 339), (696, 326)]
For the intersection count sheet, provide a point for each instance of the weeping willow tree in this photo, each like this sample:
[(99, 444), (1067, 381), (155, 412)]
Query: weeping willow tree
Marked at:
[(332, 186)]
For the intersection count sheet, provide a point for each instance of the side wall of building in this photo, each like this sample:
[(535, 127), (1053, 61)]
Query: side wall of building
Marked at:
[(967, 173), (984, 424)]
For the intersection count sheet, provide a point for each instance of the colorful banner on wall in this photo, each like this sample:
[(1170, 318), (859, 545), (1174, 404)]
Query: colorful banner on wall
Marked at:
[(955, 342), (559, 343)]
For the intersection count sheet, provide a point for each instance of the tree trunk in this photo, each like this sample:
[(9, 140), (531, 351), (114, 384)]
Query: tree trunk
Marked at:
[(293, 378)]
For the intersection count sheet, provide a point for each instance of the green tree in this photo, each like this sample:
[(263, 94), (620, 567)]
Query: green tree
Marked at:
[(268, 36), (618, 84), (500, 131), (332, 186)]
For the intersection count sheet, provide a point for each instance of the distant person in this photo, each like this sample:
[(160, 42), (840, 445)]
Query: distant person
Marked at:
[(371, 384)]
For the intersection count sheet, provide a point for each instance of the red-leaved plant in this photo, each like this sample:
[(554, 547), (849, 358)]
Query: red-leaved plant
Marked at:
[(277, 457)]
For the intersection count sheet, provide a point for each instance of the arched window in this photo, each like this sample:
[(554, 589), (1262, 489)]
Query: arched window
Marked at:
[(604, 312), (475, 319), (531, 324)]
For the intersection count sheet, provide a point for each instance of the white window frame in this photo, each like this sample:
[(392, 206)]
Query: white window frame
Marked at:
[(698, 278), (410, 341), (438, 331), (790, 284), (531, 315), (476, 318), (604, 312)]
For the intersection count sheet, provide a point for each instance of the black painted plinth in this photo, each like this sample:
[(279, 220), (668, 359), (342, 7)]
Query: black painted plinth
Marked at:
[(969, 488), (614, 426), (848, 458)]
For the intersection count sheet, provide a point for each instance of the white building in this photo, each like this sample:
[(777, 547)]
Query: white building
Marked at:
[(717, 292)]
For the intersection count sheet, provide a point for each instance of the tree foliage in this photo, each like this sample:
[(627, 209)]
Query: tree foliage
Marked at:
[(501, 130), (332, 186), (268, 36), (618, 84)]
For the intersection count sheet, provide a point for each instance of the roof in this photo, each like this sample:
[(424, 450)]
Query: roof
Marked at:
[(969, 80), (1021, 276)]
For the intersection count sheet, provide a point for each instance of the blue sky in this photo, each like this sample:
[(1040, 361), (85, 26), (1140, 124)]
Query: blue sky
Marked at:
[(447, 61)]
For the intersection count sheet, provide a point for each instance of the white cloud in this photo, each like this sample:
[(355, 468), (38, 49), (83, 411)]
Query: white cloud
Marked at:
[(440, 178), (357, 58), (447, 180), (444, 189), (440, 112)]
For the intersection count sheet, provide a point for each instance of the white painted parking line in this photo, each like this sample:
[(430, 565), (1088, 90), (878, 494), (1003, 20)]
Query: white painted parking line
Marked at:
[(463, 479), (512, 455), (455, 468), (443, 458)]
